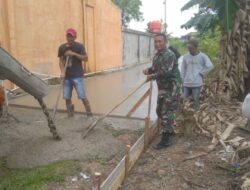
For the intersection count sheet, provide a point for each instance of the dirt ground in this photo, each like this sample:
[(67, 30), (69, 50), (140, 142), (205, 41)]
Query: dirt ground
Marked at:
[(167, 170), (29, 143)]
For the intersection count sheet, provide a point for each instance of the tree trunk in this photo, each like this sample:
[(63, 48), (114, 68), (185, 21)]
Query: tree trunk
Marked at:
[(235, 59)]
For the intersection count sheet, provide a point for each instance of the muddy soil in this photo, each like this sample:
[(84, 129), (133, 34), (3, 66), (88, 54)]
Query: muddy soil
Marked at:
[(29, 143), (167, 170)]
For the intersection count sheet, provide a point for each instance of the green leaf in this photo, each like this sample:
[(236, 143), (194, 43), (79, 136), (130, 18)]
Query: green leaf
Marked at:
[(191, 4), (130, 10), (211, 13)]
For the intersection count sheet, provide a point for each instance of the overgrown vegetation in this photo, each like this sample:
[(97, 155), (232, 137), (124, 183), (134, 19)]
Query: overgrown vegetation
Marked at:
[(208, 43), (37, 178), (211, 14), (179, 45), (130, 10)]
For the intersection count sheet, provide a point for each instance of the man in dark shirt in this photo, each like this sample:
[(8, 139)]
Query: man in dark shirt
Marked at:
[(71, 55)]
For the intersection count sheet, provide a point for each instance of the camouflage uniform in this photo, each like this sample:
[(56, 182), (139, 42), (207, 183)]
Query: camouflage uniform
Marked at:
[(165, 72)]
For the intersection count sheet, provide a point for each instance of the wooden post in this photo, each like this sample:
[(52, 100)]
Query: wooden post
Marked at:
[(146, 133), (189, 123), (150, 98), (127, 159), (96, 181)]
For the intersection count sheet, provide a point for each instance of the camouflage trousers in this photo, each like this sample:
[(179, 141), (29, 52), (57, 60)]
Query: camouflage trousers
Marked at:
[(167, 105)]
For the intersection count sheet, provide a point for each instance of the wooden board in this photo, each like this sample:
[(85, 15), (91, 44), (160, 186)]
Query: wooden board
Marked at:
[(117, 176)]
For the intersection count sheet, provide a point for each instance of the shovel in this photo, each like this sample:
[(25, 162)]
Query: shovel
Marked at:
[(60, 90)]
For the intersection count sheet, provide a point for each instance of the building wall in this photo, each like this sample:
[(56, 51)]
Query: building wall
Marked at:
[(130, 48), (138, 47), (108, 35), (32, 31), (4, 30)]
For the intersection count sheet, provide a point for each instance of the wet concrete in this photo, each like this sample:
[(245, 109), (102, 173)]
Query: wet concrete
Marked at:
[(28, 144), (104, 92)]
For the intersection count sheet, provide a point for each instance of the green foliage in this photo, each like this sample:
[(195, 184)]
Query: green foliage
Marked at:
[(2, 163), (209, 43), (37, 178), (212, 13), (178, 44), (202, 22), (130, 10)]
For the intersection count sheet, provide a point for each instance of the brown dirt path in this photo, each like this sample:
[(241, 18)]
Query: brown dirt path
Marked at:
[(166, 170)]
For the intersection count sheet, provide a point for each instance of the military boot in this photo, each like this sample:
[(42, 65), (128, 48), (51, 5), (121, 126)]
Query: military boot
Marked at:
[(70, 110), (164, 143)]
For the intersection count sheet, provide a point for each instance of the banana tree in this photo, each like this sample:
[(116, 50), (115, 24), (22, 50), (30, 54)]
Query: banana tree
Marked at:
[(233, 18)]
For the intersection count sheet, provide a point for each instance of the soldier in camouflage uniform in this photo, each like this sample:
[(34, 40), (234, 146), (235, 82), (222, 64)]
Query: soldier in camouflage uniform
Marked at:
[(165, 71)]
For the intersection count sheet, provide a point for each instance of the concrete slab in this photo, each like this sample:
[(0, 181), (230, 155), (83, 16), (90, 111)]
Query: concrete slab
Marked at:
[(104, 92)]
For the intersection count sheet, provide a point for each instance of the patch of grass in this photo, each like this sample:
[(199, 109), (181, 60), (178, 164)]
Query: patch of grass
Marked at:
[(2, 162), (100, 160), (37, 178), (97, 158)]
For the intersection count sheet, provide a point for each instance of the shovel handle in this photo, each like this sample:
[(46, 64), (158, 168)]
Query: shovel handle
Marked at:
[(60, 91)]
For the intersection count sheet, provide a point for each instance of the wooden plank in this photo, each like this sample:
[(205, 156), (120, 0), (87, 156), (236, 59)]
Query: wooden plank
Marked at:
[(118, 182), (118, 175), (134, 108), (228, 131), (138, 151), (146, 133), (150, 98), (127, 159)]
